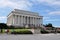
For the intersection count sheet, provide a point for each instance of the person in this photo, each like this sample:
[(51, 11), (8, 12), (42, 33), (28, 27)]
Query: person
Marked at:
[(7, 31)]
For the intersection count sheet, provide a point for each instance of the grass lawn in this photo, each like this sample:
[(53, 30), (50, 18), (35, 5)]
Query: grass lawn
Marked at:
[(17, 30)]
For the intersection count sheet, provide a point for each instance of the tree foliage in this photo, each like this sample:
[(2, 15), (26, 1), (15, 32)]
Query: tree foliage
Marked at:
[(3, 26), (49, 25)]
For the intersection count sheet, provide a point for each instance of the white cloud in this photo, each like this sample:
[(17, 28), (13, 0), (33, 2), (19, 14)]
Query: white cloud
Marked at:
[(49, 19), (44, 18), (52, 20), (57, 26), (21, 4), (3, 17), (53, 3), (26, 4), (54, 13)]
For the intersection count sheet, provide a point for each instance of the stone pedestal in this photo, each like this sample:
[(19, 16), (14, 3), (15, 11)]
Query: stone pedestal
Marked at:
[(35, 31)]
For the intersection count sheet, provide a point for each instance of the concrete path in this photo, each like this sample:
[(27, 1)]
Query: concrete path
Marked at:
[(30, 37)]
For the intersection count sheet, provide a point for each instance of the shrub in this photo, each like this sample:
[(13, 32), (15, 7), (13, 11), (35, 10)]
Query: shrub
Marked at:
[(44, 32), (58, 31), (22, 32), (52, 31)]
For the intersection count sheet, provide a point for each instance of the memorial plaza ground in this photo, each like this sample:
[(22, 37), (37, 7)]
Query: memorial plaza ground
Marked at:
[(30, 37)]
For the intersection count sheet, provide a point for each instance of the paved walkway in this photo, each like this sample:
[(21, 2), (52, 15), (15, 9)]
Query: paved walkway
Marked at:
[(30, 37)]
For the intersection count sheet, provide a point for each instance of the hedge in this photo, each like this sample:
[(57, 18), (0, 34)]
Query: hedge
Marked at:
[(43, 31), (58, 31), (22, 32)]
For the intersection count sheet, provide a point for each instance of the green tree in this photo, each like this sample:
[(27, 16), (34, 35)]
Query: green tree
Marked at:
[(49, 25), (3, 26)]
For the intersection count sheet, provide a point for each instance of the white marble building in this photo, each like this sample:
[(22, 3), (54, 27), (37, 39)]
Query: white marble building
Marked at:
[(24, 18)]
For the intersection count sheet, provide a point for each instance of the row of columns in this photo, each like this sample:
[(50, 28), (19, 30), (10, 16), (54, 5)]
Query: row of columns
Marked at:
[(25, 20)]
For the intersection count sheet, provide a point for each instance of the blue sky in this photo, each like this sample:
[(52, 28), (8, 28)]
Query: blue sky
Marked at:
[(49, 9)]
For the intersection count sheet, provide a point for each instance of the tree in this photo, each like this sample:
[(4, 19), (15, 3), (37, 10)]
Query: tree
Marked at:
[(49, 25), (3, 26)]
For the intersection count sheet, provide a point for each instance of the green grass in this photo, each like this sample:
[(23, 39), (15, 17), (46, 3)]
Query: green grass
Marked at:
[(17, 30)]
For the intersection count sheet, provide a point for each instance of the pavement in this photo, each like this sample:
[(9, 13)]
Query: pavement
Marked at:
[(30, 37)]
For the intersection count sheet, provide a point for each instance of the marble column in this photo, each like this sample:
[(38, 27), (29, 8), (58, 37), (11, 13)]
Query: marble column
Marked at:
[(38, 21), (18, 20), (24, 20), (27, 20), (30, 20), (21, 20), (15, 19), (41, 22), (33, 20)]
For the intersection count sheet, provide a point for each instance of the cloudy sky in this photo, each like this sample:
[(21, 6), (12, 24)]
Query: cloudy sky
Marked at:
[(49, 9)]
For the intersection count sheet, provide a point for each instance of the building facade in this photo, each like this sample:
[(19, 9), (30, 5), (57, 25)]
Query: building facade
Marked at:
[(23, 18)]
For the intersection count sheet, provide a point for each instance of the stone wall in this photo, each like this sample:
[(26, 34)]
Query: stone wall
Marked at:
[(35, 31)]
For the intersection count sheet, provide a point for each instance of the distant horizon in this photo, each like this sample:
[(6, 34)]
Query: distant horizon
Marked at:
[(49, 9)]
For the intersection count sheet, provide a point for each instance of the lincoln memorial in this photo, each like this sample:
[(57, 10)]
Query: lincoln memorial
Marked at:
[(22, 18)]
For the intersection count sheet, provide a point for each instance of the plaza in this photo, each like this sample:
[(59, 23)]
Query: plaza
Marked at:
[(30, 37)]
